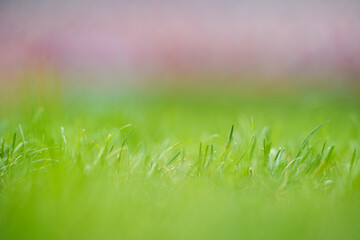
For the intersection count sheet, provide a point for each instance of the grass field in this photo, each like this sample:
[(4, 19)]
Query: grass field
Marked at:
[(180, 165)]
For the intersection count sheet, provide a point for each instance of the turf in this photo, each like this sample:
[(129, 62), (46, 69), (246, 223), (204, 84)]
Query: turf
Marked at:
[(180, 165)]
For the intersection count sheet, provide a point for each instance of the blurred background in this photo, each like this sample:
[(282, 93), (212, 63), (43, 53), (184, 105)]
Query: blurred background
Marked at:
[(137, 41)]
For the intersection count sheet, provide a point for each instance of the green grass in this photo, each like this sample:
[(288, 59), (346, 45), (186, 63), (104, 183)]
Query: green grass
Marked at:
[(200, 165)]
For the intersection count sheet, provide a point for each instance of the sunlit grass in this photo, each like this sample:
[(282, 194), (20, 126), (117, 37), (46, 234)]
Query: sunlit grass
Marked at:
[(140, 165)]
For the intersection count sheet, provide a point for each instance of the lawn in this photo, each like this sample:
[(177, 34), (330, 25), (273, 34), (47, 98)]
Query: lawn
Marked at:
[(131, 164)]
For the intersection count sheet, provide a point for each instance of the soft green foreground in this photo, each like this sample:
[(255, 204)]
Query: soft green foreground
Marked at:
[(72, 168)]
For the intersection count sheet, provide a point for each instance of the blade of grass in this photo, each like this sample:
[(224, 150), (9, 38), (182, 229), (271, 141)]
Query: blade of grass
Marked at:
[(173, 158), (305, 142)]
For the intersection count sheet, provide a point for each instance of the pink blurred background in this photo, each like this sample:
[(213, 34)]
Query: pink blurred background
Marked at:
[(150, 38)]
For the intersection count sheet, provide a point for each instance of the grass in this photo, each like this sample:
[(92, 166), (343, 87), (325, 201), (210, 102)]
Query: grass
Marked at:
[(177, 165)]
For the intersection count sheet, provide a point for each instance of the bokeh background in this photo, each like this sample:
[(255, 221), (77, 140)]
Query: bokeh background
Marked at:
[(134, 41)]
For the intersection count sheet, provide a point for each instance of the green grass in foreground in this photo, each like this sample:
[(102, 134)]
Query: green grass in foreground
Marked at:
[(180, 166)]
